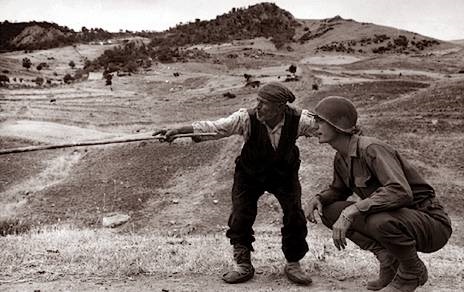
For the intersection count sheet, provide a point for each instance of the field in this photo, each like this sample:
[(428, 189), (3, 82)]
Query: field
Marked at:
[(178, 195)]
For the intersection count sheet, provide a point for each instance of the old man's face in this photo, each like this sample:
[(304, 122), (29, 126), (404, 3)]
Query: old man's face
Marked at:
[(267, 110)]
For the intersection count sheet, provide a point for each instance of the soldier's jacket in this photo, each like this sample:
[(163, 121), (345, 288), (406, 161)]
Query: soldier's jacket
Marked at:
[(382, 178)]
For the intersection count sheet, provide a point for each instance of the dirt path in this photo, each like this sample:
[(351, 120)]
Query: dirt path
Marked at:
[(201, 283)]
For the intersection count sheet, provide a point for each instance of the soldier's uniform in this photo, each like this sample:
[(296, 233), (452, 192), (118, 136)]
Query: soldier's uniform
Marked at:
[(399, 209), (398, 213)]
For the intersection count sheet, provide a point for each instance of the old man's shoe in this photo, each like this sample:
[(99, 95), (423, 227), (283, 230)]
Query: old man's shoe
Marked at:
[(296, 274), (244, 270), (242, 273)]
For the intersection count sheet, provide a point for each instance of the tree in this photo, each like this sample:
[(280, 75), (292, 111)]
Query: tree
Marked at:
[(4, 80), (108, 78), (27, 63), (42, 65), (292, 69), (68, 79), (39, 81), (72, 64)]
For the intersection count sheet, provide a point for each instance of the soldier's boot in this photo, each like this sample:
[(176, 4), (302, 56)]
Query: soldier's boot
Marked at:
[(244, 270), (387, 271), (296, 274), (412, 273)]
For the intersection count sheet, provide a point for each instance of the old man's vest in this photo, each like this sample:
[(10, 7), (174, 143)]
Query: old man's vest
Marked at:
[(259, 159)]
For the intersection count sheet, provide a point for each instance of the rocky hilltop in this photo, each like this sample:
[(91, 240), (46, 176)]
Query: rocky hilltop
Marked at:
[(261, 20)]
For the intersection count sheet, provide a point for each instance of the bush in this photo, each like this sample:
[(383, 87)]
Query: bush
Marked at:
[(292, 69), (108, 78), (68, 79), (39, 81), (13, 226), (4, 80), (27, 63), (80, 74), (87, 64), (131, 67), (401, 40)]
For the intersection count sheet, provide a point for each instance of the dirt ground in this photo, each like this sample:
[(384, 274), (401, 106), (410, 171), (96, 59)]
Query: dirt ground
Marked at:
[(415, 103), (196, 283)]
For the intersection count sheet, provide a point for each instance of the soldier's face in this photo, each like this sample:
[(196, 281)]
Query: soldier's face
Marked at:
[(325, 132), (267, 110)]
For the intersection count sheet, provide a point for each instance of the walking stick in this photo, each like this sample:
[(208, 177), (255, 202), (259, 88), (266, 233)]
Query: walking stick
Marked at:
[(102, 142)]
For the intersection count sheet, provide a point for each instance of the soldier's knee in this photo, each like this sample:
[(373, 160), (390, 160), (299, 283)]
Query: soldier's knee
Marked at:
[(381, 225)]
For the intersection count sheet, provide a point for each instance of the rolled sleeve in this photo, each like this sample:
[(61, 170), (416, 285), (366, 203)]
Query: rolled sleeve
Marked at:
[(307, 124), (395, 191), (235, 124)]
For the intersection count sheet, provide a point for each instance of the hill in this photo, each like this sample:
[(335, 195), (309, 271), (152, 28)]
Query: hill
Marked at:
[(348, 36), (459, 42), (33, 35), (264, 20), (45, 35), (280, 28), (260, 20)]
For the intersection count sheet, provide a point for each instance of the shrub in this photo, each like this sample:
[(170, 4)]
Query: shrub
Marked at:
[(4, 80), (13, 226), (80, 74), (68, 79), (401, 40), (27, 63), (108, 77), (292, 69), (39, 81)]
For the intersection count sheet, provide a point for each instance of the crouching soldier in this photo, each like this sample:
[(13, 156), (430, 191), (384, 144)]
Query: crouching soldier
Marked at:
[(398, 214)]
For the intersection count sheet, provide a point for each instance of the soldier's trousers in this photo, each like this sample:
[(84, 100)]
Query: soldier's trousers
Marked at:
[(400, 231)]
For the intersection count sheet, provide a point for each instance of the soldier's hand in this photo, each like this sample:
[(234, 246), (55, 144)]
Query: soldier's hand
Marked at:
[(339, 230), (314, 204)]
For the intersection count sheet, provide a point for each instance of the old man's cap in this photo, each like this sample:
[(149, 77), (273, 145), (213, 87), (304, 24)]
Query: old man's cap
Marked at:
[(276, 92)]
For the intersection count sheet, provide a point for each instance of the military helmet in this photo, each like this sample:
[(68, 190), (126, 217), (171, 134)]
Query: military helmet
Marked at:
[(339, 112)]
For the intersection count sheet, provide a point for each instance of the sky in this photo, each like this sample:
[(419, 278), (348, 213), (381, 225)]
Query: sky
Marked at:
[(441, 19)]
